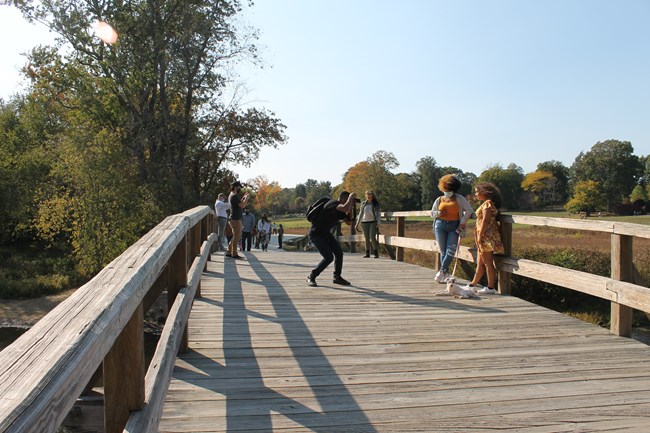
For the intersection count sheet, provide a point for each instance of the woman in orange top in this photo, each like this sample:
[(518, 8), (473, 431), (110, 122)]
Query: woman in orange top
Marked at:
[(450, 213)]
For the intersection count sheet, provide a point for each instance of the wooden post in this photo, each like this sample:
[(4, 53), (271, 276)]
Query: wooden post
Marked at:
[(177, 279), (195, 251), (401, 223), (124, 374), (622, 270), (505, 278), (206, 229)]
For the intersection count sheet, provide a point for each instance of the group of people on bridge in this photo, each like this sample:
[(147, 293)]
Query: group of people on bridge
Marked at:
[(450, 213)]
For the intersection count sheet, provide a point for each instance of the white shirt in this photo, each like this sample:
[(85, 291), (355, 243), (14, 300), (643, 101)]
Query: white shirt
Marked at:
[(221, 206)]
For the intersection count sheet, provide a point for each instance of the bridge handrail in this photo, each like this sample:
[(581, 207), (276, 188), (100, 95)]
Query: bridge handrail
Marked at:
[(47, 368), (624, 288)]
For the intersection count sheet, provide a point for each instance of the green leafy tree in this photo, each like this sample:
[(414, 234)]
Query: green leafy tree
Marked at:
[(467, 180), (508, 180), (588, 197), (638, 194), (138, 129), (612, 165), (541, 186), (428, 173), (560, 172)]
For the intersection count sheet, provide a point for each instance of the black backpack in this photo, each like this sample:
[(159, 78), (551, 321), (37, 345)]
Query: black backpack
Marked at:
[(315, 211)]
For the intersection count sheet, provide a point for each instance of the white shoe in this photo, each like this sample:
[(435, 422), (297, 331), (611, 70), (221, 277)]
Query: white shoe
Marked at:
[(486, 291), (472, 288), (440, 276)]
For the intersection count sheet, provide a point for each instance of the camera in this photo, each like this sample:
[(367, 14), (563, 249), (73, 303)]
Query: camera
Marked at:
[(357, 200)]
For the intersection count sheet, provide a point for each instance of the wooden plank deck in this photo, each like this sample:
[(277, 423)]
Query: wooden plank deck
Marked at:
[(269, 354)]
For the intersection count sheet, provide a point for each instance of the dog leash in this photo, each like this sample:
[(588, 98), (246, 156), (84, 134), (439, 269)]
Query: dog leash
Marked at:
[(453, 272)]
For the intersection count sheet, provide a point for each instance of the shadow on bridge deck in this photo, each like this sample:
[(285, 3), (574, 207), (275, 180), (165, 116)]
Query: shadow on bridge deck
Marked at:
[(267, 353)]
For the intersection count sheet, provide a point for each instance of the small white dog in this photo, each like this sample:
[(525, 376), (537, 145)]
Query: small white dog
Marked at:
[(456, 291)]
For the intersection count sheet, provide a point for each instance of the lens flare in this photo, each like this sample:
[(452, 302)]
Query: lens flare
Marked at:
[(105, 32)]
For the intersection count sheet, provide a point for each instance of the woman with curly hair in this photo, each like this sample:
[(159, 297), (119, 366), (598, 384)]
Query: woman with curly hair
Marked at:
[(488, 236), (450, 213)]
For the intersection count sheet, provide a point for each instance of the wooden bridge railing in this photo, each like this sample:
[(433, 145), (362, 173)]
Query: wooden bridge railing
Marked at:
[(101, 325), (624, 288)]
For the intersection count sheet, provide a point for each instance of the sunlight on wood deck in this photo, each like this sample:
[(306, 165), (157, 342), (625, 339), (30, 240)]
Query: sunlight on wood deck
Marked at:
[(267, 353)]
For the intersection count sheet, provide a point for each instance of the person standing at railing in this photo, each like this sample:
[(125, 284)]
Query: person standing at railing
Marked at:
[(368, 220), (221, 207), (248, 229), (450, 213), (488, 237), (237, 204), (280, 236), (264, 232)]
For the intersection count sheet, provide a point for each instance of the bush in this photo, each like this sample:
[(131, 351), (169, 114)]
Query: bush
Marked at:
[(29, 271), (581, 305)]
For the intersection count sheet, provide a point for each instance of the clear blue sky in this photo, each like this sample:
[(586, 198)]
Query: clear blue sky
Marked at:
[(468, 82)]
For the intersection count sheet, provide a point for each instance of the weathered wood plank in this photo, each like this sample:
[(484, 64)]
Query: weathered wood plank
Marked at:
[(269, 354)]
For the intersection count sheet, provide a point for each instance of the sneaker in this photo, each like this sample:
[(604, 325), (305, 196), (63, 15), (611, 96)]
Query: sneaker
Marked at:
[(440, 276), (472, 287), (311, 281), (228, 255), (340, 280), (486, 291)]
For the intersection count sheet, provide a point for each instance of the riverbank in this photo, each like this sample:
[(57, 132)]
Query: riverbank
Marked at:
[(24, 313)]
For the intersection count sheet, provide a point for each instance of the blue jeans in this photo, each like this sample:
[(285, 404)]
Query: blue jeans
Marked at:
[(447, 238), (328, 247)]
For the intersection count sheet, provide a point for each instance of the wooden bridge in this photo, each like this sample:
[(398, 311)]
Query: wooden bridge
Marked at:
[(263, 352)]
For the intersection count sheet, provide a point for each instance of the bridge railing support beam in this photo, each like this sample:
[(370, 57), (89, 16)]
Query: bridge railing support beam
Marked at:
[(401, 225), (124, 370), (622, 270), (178, 268), (505, 277)]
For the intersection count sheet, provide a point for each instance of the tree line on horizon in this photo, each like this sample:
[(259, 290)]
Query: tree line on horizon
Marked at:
[(608, 177)]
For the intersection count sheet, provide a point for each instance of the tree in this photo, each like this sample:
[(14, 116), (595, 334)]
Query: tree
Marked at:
[(508, 180), (541, 186), (588, 197), (638, 193), (428, 173), (374, 174), (560, 172), (160, 86), (612, 165), (467, 180)]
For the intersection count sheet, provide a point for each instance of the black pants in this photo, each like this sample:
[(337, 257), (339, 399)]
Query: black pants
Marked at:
[(329, 248), (246, 239)]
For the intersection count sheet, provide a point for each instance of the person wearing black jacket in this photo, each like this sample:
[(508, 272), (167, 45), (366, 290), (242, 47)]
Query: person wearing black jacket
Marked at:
[(327, 245)]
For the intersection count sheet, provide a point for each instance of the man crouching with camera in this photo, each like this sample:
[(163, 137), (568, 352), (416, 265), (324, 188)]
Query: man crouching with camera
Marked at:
[(327, 245)]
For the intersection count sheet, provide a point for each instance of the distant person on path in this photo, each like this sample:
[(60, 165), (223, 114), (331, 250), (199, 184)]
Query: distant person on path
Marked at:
[(264, 232), (488, 236), (221, 206), (248, 228), (274, 226), (327, 245), (368, 220), (450, 214), (237, 204), (280, 236)]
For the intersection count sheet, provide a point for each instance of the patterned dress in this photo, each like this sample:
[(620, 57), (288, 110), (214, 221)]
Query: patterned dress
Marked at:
[(492, 237)]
